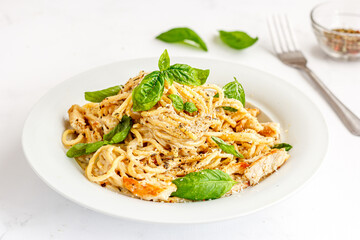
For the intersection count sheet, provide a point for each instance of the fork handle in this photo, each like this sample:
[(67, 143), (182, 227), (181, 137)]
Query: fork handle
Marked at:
[(350, 120)]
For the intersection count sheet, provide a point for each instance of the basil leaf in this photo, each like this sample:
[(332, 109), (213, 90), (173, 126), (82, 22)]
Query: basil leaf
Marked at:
[(93, 147), (120, 132), (177, 102), (148, 92), (186, 75), (237, 39), (230, 109), (84, 148), (235, 90), (164, 61), (117, 135), (77, 150), (182, 35), (226, 147), (98, 96), (190, 107), (202, 185), (283, 145)]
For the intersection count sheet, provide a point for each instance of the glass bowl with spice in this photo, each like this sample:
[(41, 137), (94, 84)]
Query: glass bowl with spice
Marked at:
[(337, 28)]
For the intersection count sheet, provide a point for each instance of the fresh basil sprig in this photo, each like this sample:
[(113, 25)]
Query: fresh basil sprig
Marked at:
[(83, 148), (203, 185), (190, 107), (237, 39), (148, 92), (230, 109), (164, 61), (116, 135), (151, 88), (177, 102), (233, 90), (226, 147), (286, 146), (186, 75), (120, 132), (98, 96), (183, 35)]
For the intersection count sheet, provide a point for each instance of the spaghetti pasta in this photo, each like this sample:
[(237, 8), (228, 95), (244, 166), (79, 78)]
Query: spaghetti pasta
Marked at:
[(165, 144)]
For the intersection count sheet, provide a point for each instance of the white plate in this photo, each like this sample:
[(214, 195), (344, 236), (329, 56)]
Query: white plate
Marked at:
[(303, 124)]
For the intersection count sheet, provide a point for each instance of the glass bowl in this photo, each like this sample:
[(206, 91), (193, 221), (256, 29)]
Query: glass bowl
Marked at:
[(337, 28)]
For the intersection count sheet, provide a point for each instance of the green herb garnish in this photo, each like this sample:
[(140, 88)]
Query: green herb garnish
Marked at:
[(164, 61), (286, 146), (203, 185), (186, 75), (98, 96), (233, 90), (116, 135), (182, 35), (237, 39), (230, 109), (120, 132), (226, 147), (148, 92), (177, 102), (190, 107), (151, 88)]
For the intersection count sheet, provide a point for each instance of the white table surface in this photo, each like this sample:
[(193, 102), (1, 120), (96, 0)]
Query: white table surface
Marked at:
[(44, 42)]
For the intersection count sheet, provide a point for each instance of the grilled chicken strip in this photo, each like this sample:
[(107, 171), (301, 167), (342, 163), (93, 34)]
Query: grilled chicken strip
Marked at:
[(265, 165)]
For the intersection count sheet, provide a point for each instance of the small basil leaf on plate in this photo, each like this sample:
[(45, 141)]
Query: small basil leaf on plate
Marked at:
[(230, 109), (120, 132), (93, 147), (237, 39), (226, 147), (164, 61), (203, 185), (77, 150), (235, 90), (148, 92), (286, 146), (177, 102), (84, 148), (186, 75), (184, 35), (190, 107), (98, 96)]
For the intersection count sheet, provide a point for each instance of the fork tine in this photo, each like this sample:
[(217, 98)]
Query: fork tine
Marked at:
[(292, 37), (273, 35), (286, 33), (280, 33)]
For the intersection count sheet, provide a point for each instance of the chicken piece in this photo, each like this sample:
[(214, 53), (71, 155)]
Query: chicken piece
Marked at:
[(76, 118), (253, 111), (238, 168), (266, 164), (148, 191), (271, 129)]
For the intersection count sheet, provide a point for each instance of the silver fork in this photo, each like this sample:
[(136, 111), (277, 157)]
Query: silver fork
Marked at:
[(286, 48)]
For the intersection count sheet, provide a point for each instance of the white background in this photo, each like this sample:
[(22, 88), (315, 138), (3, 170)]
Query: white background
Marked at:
[(44, 42)]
